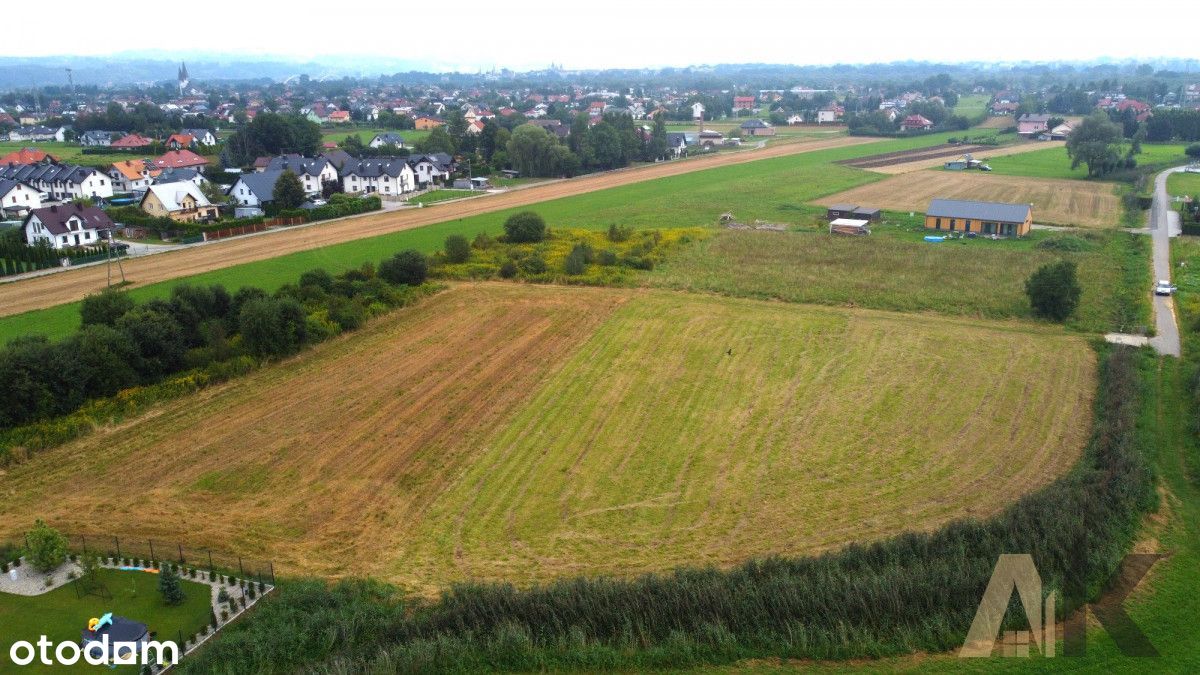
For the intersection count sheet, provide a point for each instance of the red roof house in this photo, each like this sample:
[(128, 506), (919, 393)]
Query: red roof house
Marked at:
[(132, 142), (916, 122), (180, 159), (26, 156), (743, 102)]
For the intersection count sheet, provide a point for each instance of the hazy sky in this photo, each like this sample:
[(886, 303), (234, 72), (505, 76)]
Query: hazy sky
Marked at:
[(519, 34)]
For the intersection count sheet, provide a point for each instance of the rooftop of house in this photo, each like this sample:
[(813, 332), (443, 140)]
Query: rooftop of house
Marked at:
[(55, 218), (994, 211)]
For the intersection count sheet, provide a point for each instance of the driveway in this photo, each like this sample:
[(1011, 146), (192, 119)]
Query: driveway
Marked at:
[(1164, 224)]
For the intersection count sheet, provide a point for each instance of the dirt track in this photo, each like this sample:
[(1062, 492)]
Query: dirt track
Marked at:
[(63, 287)]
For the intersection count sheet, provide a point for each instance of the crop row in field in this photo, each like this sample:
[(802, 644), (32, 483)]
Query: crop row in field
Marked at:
[(522, 432)]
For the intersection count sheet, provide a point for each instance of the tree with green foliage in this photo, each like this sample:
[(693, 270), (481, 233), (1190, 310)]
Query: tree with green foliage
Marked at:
[(272, 327), (458, 249), (157, 337), (1192, 151), (525, 227), (656, 148), (438, 140), (1053, 290), (104, 307), (1096, 142), (288, 192), (273, 134), (170, 587), (408, 268), (47, 547)]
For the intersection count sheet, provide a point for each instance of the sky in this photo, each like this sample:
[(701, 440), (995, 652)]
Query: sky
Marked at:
[(531, 34)]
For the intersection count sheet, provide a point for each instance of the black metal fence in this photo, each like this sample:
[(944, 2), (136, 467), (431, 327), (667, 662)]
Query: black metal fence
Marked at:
[(136, 551)]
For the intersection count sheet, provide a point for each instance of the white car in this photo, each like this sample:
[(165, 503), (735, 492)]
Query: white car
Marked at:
[(1163, 287)]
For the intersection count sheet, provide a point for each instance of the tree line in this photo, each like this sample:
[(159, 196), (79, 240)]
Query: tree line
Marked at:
[(122, 343)]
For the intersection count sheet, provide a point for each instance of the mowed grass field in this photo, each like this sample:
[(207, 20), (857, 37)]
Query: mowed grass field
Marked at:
[(337, 134), (897, 271), (521, 433), (1054, 162), (1055, 201), (1183, 185)]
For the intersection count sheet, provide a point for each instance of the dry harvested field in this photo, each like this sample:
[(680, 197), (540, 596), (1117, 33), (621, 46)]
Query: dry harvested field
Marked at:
[(72, 285), (997, 122), (502, 431), (1055, 201), (980, 152)]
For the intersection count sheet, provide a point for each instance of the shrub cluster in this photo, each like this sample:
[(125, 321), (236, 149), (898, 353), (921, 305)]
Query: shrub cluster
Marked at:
[(127, 354), (559, 256), (917, 591)]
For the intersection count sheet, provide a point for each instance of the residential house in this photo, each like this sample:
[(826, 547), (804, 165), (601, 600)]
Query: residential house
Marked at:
[(554, 126), (697, 110), (313, 173), (382, 175), (1031, 124), (676, 144), (26, 156), (826, 116), (254, 189), (61, 182), (427, 123), (180, 159), (381, 140), (431, 169), (709, 138), (757, 127), (916, 123), (180, 175), (132, 142), (180, 141), (130, 175), (743, 103), (17, 198), (339, 117), (475, 127), (66, 225), (795, 119), (38, 133), (97, 139), (986, 218), (1004, 108), (202, 136), (182, 202)]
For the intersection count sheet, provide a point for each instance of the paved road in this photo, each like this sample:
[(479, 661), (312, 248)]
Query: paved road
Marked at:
[(1164, 224)]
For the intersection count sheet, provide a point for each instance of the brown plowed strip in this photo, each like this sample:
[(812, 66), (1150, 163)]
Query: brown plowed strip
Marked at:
[(63, 287), (336, 450), (982, 153)]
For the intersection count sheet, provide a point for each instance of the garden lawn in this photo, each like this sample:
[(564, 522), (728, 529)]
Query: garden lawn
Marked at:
[(1183, 184), (443, 195), (339, 134), (60, 615)]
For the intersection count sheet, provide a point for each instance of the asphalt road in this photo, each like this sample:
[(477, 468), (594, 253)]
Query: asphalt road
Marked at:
[(1164, 224)]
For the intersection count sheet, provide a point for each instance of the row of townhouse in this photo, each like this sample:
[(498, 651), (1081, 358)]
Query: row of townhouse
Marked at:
[(375, 175), (61, 182)]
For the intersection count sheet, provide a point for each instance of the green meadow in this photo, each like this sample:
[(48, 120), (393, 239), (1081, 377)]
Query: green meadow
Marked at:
[(1054, 162), (775, 190)]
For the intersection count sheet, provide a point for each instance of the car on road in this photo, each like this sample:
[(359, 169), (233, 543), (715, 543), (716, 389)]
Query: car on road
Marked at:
[(1163, 287)]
